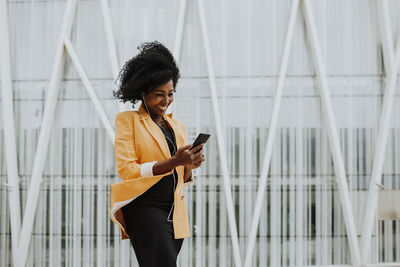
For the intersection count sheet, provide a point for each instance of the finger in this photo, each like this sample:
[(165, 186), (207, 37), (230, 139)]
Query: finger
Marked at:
[(185, 147), (198, 149), (200, 161), (202, 146), (197, 157), (196, 165)]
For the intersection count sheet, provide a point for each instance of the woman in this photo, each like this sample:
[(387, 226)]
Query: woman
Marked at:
[(153, 159)]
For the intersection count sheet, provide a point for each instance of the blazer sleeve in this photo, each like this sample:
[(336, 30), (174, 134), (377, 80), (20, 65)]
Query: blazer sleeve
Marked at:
[(126, 160)]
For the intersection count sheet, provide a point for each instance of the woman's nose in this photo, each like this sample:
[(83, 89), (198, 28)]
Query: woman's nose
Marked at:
[(164, 99)]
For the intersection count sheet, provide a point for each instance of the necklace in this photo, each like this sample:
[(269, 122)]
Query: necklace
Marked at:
[(162, 124)]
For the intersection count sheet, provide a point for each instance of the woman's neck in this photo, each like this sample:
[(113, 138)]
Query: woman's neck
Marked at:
[(156, 118)]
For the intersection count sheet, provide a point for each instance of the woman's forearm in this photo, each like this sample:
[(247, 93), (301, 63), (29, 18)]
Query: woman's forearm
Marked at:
[(164, 166)]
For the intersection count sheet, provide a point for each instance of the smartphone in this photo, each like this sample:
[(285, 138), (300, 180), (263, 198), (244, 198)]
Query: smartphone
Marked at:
[(201, 139)]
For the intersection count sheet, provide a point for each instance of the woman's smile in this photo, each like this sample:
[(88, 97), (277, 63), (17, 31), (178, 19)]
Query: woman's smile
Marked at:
[(162, 108)]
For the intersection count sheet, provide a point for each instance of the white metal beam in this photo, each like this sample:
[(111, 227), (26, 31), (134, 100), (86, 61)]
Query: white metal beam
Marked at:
[(271, 137), (112, 48), (178, 39), (220, 137), (89, 88), (179, 30), (9, 130), (112, 51), (44, 137), (381, 143), (385, 29), (332, 132)]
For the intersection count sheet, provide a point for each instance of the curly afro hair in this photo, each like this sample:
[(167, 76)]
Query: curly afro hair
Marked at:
[(152, 67)]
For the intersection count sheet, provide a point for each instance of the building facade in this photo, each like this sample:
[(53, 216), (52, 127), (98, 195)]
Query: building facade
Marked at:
[(334, 64)]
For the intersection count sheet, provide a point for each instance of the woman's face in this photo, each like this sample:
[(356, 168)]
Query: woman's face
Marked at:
[(158, 100)]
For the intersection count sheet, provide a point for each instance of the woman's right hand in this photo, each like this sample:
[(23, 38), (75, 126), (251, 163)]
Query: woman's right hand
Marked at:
[(184, 156)]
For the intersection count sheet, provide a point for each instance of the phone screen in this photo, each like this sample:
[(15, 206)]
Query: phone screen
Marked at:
[(201, 139)]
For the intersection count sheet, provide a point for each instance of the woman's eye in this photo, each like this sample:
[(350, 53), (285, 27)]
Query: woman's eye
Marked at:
[(171, 94)]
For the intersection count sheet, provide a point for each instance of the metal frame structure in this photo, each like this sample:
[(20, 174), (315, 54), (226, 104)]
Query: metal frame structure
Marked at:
[(21, 235), (392, 64), (9, 129), (220, 137), (112, 50), (271, 137), (21, 239), (331, 130), (216, 113)]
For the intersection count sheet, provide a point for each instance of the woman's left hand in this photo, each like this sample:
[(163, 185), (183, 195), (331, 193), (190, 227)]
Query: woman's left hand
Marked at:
[(199, 159)]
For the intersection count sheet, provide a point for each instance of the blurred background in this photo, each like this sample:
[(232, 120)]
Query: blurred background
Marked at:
[(302, 219)]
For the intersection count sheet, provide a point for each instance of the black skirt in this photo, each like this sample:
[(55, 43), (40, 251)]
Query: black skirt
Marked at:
[(151, 235)]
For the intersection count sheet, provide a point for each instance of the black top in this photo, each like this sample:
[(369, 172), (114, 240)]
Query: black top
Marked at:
[(162, 193)]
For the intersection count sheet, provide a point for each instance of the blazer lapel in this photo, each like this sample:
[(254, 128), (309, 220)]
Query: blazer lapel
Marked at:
[(155, 131)]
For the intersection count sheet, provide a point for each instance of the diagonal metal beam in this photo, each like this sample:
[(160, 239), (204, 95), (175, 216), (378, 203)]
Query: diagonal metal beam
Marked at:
[(271, 137), (89, 88), (112, 51), (385, 29), (220, 137), (178, 39), (392, 61), (332, 132), (9, 130), (179, 30), (44, 137), (112, 48)]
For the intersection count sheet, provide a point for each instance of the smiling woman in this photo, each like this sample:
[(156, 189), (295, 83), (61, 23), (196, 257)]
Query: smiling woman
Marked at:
[(153, 160), (158, 100)]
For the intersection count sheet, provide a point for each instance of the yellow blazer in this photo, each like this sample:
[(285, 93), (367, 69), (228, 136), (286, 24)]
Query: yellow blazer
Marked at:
[(139, 140)]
